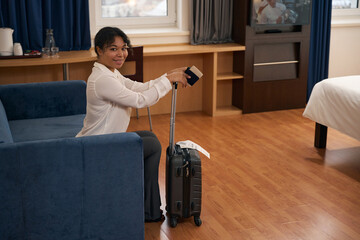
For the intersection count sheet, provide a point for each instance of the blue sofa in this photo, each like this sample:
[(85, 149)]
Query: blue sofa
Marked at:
[(55, 186)]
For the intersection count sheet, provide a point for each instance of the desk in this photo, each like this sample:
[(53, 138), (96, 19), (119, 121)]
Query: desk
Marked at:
[(64, 58), (219, 92)]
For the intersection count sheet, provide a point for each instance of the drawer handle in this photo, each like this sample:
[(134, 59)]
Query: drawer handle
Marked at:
[(275, 63)]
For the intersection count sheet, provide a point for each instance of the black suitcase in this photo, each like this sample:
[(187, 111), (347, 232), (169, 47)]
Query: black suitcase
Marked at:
[(183, 177)]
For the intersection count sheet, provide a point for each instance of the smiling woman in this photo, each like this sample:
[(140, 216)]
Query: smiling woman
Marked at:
[(112, 51), (110, 97), (114, 55)]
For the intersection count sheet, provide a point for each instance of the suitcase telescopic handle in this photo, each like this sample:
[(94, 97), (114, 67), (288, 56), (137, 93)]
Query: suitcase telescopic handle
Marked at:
[(172, 118)]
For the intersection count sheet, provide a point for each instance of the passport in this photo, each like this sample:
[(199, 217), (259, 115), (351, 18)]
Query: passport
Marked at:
[(194, 73)]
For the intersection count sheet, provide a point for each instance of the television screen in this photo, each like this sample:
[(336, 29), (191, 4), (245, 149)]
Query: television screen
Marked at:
[(280, 12)]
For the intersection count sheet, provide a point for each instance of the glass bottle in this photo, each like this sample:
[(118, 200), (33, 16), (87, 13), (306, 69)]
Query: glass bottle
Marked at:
[(47, 50), (50, 41)]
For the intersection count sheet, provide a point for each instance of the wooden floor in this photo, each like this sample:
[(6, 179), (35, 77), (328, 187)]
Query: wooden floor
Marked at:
[(265, 180)]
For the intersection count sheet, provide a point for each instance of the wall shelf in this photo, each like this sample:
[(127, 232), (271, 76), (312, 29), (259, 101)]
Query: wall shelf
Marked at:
[(228, 110), (221, 73), (229, 75)]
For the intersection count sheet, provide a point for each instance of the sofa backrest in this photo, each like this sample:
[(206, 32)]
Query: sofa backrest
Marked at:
[(5, 133), (46, 99)]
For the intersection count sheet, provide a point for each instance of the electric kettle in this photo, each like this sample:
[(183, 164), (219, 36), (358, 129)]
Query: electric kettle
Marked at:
[(6, 42)]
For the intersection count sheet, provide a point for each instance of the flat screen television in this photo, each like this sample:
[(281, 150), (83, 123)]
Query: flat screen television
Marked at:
[(276, 14)]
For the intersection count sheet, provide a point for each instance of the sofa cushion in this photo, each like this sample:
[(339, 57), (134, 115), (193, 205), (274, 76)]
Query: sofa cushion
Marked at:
[(5, 134), (46, 128)]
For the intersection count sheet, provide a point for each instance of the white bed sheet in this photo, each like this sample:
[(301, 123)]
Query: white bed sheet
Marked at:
[(335, 103)]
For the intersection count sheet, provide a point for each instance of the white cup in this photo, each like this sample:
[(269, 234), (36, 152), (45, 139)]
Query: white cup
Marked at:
[(18, 49)]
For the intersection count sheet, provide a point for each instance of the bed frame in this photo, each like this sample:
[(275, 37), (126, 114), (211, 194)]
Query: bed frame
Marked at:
[(320, 135)]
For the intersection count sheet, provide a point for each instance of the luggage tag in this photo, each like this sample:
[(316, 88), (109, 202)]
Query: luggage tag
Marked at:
[(194, 73), (192, 145)]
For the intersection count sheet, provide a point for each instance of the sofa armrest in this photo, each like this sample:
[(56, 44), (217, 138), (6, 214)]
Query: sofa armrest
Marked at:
[(5, 133), (46, 99), (73, 188)]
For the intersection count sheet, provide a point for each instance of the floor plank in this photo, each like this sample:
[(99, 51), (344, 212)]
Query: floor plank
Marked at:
[(265, 180)]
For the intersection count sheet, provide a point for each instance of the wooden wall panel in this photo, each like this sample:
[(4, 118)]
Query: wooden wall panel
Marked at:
[(13, 75), (80, 71), (189, 99)]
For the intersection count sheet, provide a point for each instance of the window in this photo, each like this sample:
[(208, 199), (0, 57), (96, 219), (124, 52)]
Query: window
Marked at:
[(345, 13), (346, 8), (135, 13), (133, 8), (142, 26), (345, 4)]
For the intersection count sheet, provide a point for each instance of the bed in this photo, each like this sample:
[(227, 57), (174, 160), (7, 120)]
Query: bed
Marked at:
[(335, 103)]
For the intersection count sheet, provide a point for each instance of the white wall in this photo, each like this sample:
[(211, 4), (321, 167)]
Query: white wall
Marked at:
[(345, 47)]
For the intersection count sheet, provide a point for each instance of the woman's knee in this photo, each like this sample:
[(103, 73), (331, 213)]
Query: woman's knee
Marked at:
[(146, 134), (152, 146), (156, 145)]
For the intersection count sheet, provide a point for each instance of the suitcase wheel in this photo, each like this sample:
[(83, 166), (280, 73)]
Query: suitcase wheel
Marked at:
[(173, 221), (197, 221)]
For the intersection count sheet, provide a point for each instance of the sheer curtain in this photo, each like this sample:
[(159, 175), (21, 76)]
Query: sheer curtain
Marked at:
[(30, 18), (319, 43), (211, 21)]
